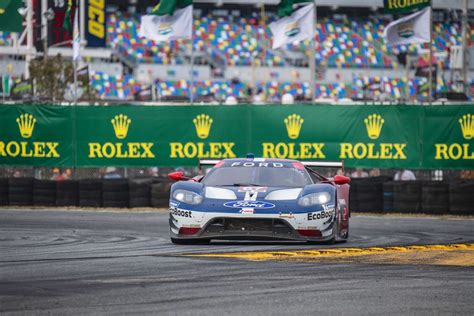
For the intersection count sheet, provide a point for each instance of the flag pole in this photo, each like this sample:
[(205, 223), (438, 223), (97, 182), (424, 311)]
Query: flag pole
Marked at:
[(430, 96), (312, 56), (75, 60), (191, 85), (464, 46)]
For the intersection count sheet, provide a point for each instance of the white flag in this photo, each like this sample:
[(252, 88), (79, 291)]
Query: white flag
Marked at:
[(294, 28), (76, 38), (168, 27), (411, 29)]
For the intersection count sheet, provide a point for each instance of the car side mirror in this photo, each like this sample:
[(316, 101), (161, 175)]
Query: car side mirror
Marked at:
[(340, 179), (177, 176)]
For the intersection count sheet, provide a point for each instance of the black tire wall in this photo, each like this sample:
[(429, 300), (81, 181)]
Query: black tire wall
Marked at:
[(115, 193), (44, 193), (20, 191), (90, 193), (407, 196), (67, 193)]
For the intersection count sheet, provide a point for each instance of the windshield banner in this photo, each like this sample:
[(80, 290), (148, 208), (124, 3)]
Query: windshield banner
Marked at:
[(415, 137)]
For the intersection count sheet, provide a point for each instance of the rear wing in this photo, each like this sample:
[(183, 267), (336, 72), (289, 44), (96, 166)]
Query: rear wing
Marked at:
[(208, 162), (324, 164)]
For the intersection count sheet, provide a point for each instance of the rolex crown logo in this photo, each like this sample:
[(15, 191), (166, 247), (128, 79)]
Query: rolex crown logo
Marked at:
[(293, 125), (467, 126), (26, 124), (121, 123), (203, 124), (374, 123)]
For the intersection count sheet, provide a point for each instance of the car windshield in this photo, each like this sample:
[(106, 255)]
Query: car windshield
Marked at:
[(257, 176)]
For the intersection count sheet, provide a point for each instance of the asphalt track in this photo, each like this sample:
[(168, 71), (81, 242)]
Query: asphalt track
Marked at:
[(71, 262)]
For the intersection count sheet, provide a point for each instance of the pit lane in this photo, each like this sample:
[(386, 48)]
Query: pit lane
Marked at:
[(106, 262)]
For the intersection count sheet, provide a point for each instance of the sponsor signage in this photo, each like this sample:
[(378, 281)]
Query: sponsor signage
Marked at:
[(259, 205), (415, 137), (27, 136), (95, 23), (404, 6)]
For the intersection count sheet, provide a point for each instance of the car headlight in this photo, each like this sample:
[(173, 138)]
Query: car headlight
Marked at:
[(187, 197), (314, 199)]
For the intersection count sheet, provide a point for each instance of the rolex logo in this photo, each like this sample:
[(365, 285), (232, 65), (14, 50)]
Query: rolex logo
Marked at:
[(203, 124), (121, 123), (293, 125), (374, 123), (467, 126), (26, 124)]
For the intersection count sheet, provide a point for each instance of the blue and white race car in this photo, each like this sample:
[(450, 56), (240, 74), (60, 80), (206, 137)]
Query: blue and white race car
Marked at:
[(259, 199)]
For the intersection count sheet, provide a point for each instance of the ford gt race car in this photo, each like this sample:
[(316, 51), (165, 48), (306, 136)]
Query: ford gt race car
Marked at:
[(259, 199)]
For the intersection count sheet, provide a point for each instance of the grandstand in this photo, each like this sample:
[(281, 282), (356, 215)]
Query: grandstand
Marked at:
[(233, 56)]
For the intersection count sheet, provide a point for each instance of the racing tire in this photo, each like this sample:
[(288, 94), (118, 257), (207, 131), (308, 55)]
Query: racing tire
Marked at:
[(178, 241)]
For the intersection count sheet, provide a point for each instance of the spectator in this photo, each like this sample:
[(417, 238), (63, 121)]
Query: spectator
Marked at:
[(111, 173), (359, 173), (57, 175), (67, 174), (404, 175), (153, 172), (374, 172), (467, 174)]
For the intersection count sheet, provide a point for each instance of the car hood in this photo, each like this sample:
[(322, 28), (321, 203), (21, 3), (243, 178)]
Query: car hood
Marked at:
[(252, 193)]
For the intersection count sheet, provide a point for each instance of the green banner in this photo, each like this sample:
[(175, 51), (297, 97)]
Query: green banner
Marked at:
[(415, 137), (36, 136), (404, 6)]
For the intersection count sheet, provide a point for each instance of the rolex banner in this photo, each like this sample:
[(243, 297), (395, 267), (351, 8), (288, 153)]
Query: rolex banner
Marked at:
[(412, 29), (404, 6), (415, 137), (36, 136)]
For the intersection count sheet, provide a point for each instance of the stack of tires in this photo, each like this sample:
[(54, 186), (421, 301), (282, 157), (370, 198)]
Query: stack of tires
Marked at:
[(407, 196), (44, 193), (115, 193), (388, 196), (435, 197), (160, 193), (20, 191), (140, 192), (461, 197), (3, 192), (90, 193), (366, 195), (67, 193)]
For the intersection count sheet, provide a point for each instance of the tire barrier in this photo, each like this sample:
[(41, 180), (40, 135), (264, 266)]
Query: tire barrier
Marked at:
[(140, 192), (3, 192), (90, 193), (461, 197), (20, 191), (160, 193), (388, 197), (435, 197), (115, 193), (44, 193), (366, 195), (407, 196), (67, 193)]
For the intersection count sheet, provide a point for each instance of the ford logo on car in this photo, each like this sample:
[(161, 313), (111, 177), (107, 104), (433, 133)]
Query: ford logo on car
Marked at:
[(251, 204)]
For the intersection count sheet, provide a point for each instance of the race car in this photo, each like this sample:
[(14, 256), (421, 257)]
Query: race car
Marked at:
[(260, 199)]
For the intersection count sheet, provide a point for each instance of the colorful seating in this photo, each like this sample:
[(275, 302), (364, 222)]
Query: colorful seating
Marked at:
[(341, 42)]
